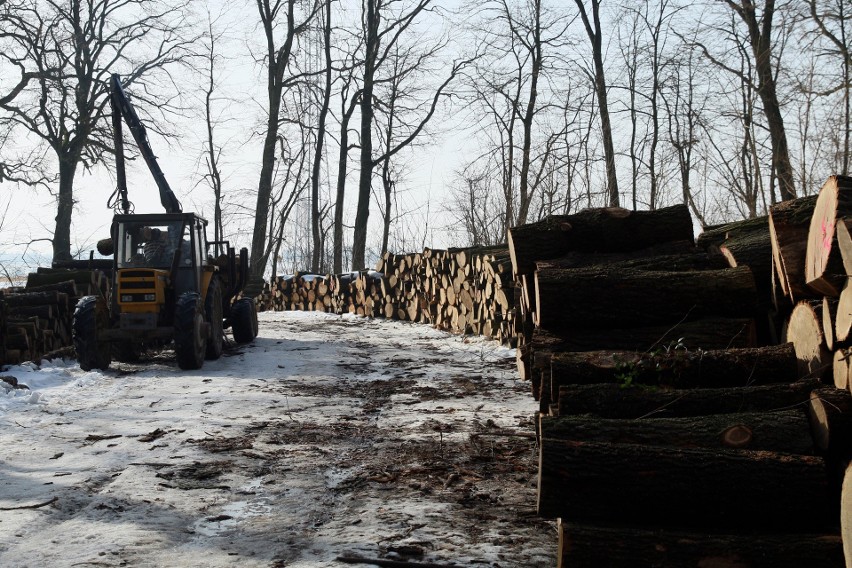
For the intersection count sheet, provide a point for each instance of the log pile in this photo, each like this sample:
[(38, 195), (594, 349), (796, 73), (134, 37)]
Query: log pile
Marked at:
[(37, 317), (667, 399), (466, 291)]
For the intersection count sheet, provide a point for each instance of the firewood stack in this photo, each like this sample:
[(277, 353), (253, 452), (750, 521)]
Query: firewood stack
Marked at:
[(38, 317), (666, 399), (469, 291)]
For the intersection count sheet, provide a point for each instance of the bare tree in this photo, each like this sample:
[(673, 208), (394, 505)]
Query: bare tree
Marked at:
[(595, 33), (213, 152), (380, 42), (761, 39), (316, 230), (64, 53), (276, 59), (683, 115), (834, 21)]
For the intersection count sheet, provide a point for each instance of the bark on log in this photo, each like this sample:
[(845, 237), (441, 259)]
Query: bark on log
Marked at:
[(805, 332), (753, 249), (596, 230), (830, 411), (603, 297), (782, 431), (823, 264), (705, 333), (633, 483), (718, 234), (613, 401), (789, 222), (583, 545), (691, 259), (679, 368)]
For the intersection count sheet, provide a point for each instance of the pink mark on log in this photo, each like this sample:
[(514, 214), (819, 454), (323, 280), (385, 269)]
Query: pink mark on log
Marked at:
[(827, 234)]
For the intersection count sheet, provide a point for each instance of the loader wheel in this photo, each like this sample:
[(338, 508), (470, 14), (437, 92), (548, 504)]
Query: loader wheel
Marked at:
[(190, 336), (244, 320), (91, 316), (127, 351), (213, 311)]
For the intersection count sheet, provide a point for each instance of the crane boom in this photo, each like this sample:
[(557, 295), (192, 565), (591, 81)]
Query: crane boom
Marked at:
[(121, 108)]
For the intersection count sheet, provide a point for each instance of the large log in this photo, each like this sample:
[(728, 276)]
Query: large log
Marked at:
[(781, 431), (678, 367), (829, 317), (840, 368), (846, 514), (604, 297), (584, 545), (596, 230), (788, 231), (805, 332), (753, 249), (615, 401), (823, 264), (830, 411), (716, 235), (594, 481), (686, 259), (705, 333)]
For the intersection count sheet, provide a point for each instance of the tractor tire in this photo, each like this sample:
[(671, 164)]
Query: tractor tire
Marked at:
[(127, 351), (214, 312), (90, 317), (190, 336), (244, 320)]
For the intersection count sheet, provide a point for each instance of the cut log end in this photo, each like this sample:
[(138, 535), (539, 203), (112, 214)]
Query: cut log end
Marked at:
[(737, 436)]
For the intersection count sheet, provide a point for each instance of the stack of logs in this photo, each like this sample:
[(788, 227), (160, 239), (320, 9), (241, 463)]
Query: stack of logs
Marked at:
[(667, 398), (467, 291), (36, 319)]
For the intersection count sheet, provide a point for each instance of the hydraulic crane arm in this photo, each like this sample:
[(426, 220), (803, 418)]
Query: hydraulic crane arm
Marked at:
[(121, 108)]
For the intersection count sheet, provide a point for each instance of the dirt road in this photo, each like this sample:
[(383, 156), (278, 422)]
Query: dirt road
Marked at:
[(328, 436)]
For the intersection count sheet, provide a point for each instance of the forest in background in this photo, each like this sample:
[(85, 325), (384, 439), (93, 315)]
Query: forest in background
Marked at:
[(308, 121)]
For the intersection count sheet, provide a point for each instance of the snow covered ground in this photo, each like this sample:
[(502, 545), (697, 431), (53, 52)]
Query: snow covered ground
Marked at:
[(327, 436)]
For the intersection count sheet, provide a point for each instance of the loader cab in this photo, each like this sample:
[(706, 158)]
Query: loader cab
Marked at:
[(170, 244)]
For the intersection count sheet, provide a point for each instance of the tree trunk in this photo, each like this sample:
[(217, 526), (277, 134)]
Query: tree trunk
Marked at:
[(583, 545), (824, 271), (316, 231), (64, 209), (782, 431), (365, 177), (615, 401), (600, 297), (595, 481), (596, 38), (341, 187), (760, 36), (603, 230)]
